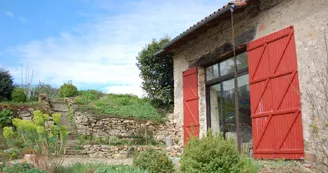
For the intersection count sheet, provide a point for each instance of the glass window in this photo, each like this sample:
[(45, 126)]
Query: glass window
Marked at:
[(222, 103), (212, 72), (226, 67)]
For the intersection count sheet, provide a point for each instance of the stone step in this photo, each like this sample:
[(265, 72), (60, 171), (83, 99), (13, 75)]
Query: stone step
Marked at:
[(59, 107)]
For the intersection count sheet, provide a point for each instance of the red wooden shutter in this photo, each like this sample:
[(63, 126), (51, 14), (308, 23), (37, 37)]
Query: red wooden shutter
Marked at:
[(275, 96), (190, 103)]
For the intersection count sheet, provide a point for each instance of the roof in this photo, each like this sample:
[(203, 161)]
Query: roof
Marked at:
[(237, 4)]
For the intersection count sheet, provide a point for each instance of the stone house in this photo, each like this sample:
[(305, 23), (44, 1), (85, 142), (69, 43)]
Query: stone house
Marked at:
[(279, 46)]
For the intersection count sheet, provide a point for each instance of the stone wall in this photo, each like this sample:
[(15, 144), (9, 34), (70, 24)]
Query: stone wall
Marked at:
[(120, 152), (309, 18), (90, 124)]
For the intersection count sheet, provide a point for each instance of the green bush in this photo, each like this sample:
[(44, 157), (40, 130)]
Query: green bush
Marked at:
[(42, 138), (213, 153), (210, 154), (12, 153), (6, 85), (18, 95), (17, 168), (5, 118), (154, 161), (90, 94), (67, 90)]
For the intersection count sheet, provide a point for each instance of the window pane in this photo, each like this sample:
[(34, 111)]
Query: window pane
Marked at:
[(223, 117), (242, 61), (227, 66), (214, 104), (212, 72)]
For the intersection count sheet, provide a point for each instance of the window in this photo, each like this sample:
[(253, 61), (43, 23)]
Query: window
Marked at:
[(221, 99)]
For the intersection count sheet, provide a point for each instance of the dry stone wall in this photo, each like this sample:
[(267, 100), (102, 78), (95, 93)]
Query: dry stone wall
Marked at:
[(89, 124), (120, 152)]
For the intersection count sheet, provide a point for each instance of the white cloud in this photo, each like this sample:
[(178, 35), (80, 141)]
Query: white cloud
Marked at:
[(103, 50), (136, 90), (23, 19), (9, 13)]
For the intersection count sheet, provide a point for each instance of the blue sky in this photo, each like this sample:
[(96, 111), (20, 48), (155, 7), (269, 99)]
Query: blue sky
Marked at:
[(93, 43)]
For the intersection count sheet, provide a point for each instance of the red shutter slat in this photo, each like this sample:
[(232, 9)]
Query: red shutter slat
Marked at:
[(190, 104), (275, 97)]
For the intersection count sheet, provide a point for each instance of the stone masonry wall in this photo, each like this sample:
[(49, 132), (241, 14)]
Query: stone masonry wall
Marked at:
[(309, 19), (89, 124)]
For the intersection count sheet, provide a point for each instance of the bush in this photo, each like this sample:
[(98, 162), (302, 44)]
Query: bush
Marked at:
[(210, 154), (18, 95), (5, 118), (67, 90), (6, 85), (90, 94), (12, 153), (154, 161)]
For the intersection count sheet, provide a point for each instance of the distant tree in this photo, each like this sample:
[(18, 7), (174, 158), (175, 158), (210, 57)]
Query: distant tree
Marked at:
[(6, 84), (157, 74)]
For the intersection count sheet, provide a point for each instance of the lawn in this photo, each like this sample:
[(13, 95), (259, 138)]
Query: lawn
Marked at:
[(121, 105)]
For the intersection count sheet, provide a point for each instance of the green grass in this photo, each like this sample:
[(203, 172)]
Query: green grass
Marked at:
[(98, 168), (126, 106), (20, 104)]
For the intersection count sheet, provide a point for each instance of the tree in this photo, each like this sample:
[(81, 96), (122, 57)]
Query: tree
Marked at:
[(157, 74), (6, 84)]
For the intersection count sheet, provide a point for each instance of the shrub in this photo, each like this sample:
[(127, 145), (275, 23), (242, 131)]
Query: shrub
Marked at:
[(5, 118), (210, 154), (18, 95), (67, 90), (12, 153), (17, 168), (90, 94), (6, 85), (154, 161), (39, 136)]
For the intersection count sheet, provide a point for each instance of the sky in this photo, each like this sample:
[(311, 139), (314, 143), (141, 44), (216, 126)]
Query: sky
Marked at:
[(93, 43)]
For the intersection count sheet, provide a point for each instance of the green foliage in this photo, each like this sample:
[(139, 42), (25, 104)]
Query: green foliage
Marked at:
[(17, 168), (38, 135), (123, 106), (157, 74), (67, 90), (18, 95), (5, 118), (98, 168), (6, 85), (56, 118), (90, 94), (154, 161), (12, 153), (212, 154)]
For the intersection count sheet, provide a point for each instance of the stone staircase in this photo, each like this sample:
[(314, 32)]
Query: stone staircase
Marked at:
[(72, 144)]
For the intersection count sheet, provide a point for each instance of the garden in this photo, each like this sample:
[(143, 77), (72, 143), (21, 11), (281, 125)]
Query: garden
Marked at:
[(39, 142)]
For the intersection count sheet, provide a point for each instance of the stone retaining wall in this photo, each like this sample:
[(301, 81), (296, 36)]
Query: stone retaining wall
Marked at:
[(89, 124), (120, 152)]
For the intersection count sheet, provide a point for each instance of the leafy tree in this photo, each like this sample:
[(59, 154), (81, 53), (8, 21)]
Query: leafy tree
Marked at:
[(157, 74), (6, 84)]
